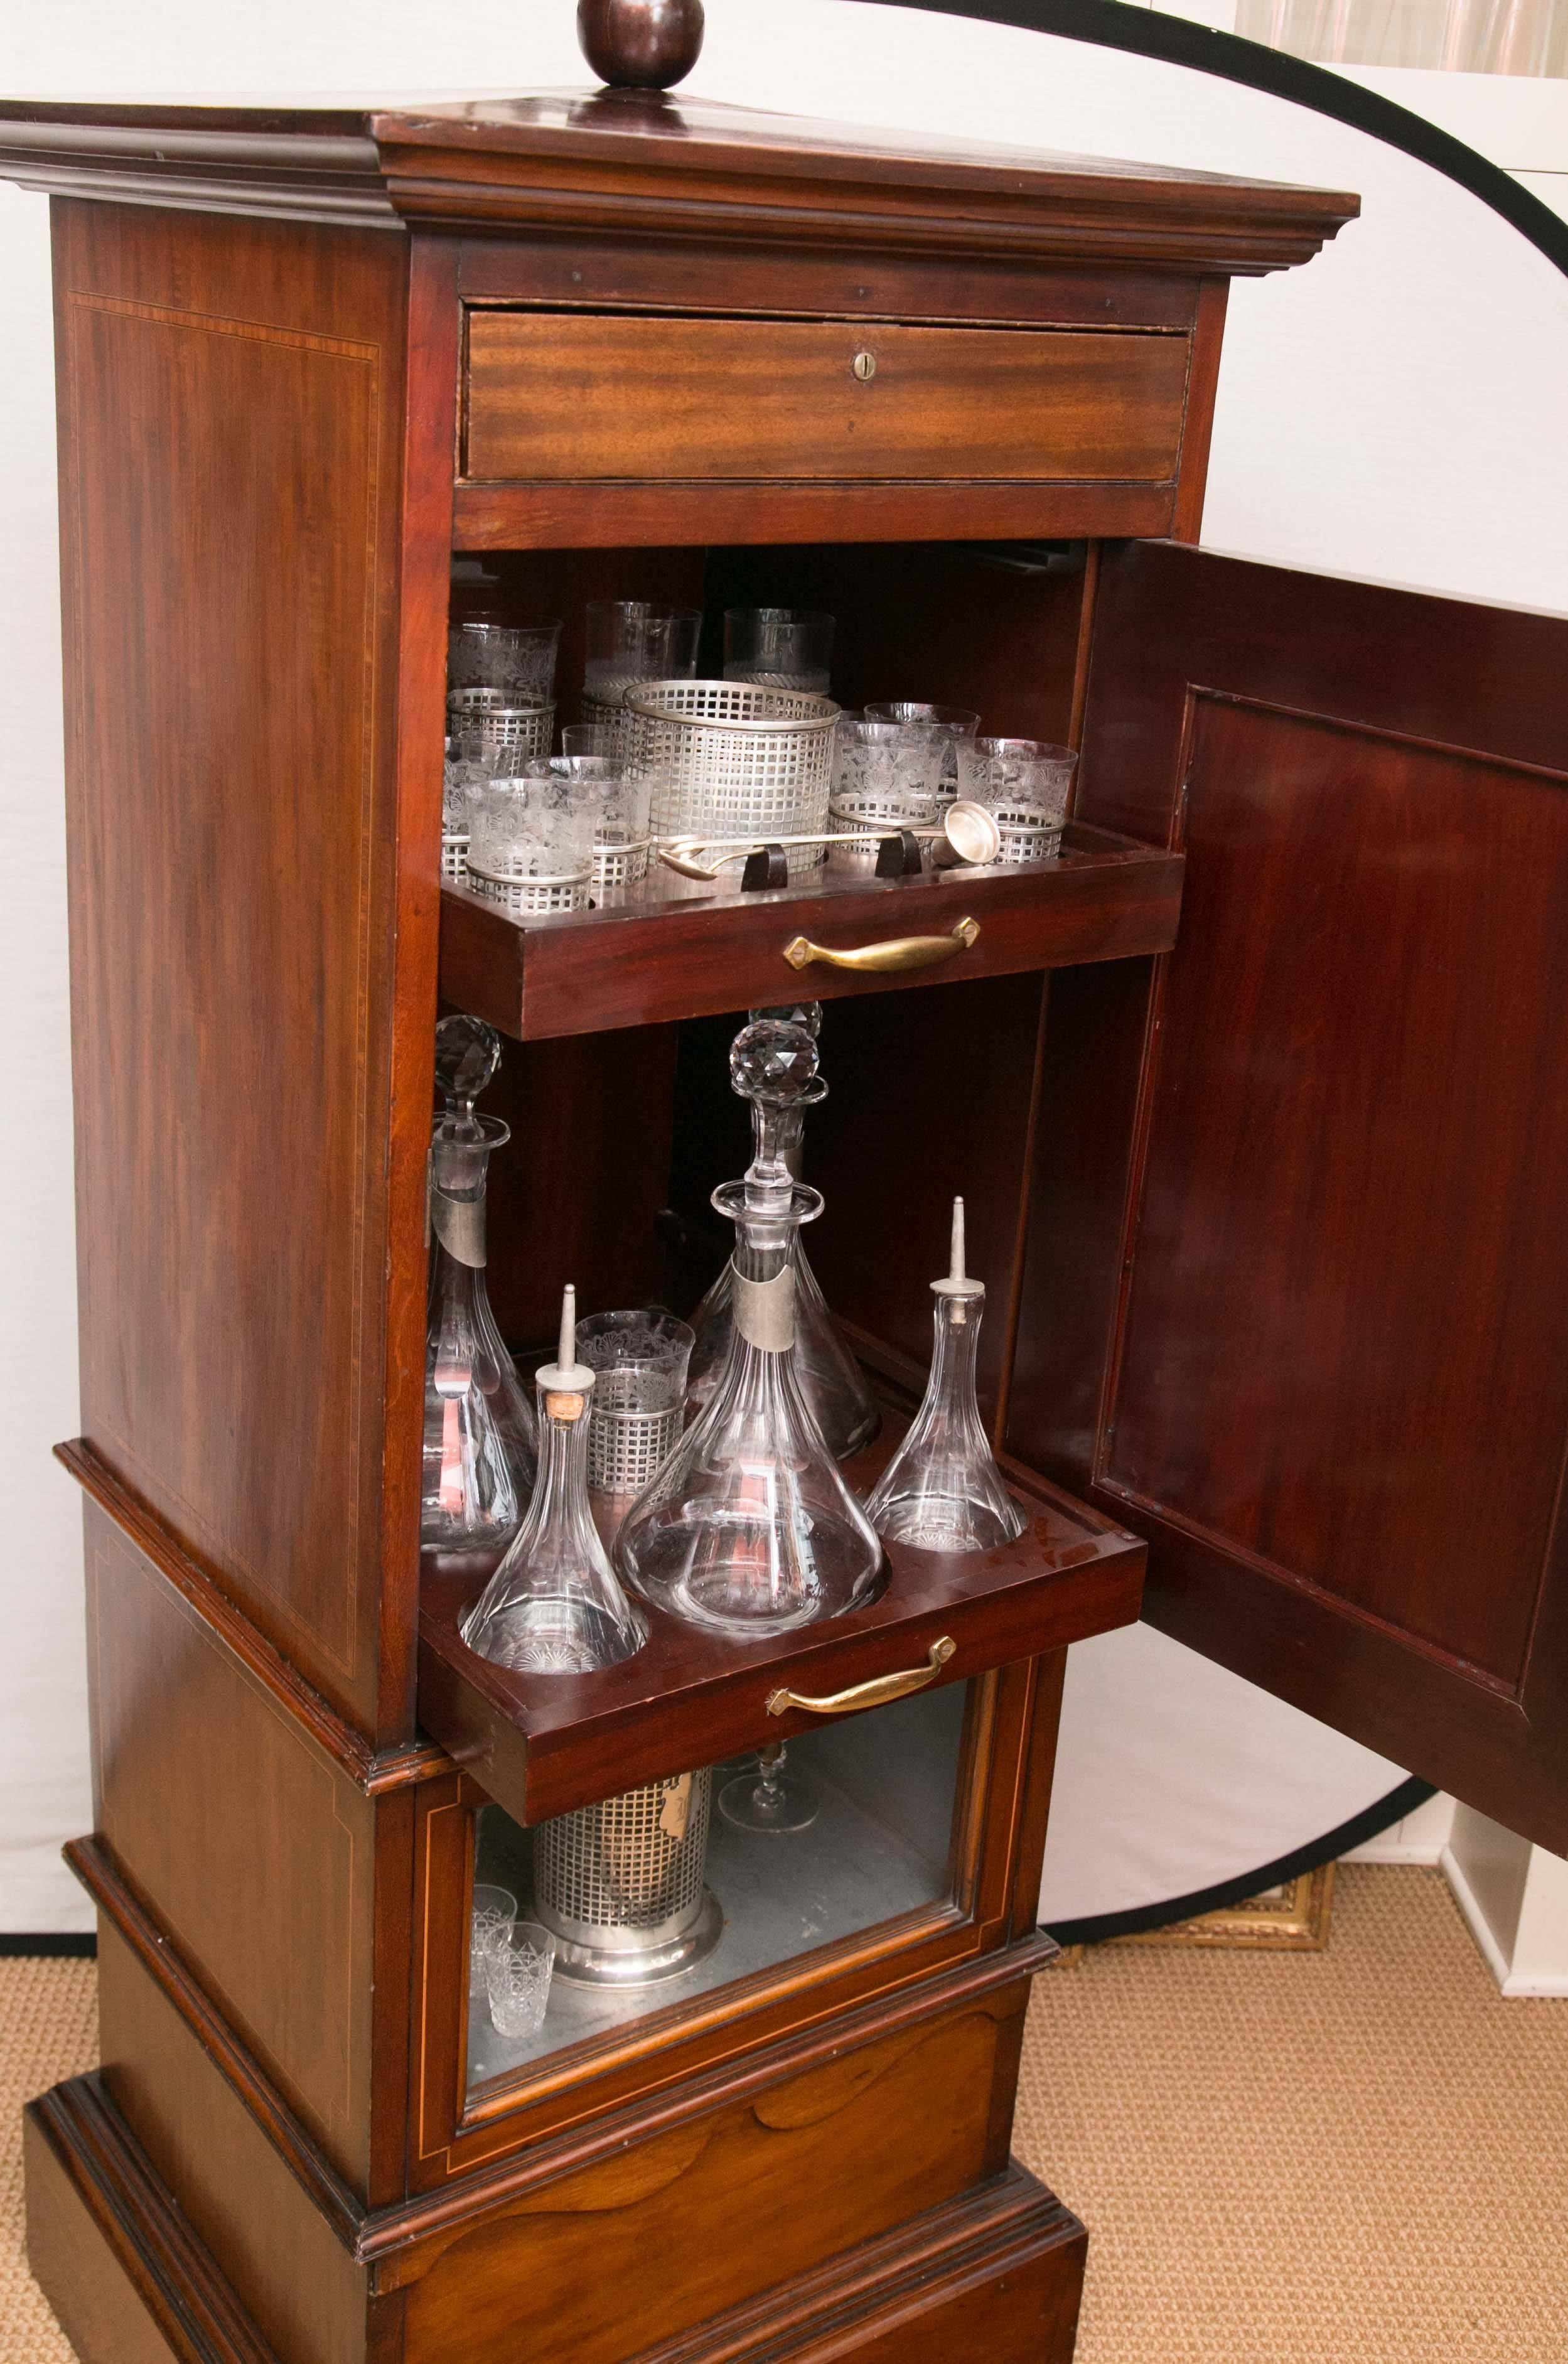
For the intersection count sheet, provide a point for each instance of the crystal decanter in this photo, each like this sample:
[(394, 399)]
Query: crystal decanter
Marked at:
[(479, 1431), (749, 1529), (830, 1379), (553, 1606), (942, 1491)]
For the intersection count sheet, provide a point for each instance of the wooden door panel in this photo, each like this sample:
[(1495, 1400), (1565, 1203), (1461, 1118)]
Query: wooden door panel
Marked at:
[(1331, 1378)]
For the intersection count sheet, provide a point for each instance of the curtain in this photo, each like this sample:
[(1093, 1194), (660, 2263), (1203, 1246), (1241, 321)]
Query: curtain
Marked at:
[(1508, 37)]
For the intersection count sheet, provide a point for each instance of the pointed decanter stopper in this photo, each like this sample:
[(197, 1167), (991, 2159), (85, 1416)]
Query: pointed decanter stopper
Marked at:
[(942, 1491), (958, 1283), (566, 1383), (553, 1606)]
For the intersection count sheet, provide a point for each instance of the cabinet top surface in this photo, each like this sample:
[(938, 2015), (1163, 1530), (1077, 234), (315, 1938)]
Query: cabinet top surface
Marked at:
[(461, 162)]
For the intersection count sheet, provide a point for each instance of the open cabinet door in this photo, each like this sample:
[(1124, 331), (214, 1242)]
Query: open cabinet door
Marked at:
[(1296, 1304)]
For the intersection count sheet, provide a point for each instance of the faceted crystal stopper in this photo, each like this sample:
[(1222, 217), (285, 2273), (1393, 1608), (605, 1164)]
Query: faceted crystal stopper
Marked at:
[(774, 1063), (468, 1053), (791, 1013)]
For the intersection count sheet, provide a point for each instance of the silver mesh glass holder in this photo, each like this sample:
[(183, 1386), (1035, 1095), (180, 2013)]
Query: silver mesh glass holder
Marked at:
[(625, 1448), (619, 1885), (731, 759), (606, 707), (1027, 835), (525, 895), (620, 866), (482, 723), (875, 816), (454, 857)]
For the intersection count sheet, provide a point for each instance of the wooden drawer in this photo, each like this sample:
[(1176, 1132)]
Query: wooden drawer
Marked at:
[(653, 959), (569, 397), (802, 2169), (541, 1745)]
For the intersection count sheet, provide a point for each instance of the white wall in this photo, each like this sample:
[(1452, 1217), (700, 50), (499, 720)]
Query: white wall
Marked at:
[(1394, 410), (43, 1768)]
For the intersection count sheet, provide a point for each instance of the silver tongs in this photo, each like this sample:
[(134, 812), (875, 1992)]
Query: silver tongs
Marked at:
[(968, 837)]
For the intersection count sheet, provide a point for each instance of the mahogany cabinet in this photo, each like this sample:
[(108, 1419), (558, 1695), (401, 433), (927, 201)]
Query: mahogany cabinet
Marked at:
[(1253, 1095)]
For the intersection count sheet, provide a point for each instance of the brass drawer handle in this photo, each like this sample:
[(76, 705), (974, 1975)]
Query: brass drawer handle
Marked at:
[(898, 953), (880, 1689)]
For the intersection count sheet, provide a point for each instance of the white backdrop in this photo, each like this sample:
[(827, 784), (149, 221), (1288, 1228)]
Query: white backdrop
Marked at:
[(1428, 328)]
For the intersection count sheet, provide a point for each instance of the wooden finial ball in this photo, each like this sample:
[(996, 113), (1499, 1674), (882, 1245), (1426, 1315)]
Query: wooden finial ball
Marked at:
[(640, 44)]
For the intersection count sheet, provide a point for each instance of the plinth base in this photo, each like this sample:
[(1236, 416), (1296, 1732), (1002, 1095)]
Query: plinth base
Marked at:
[(996, 2274)]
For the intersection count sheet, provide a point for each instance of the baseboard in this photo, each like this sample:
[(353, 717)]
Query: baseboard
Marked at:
[(1519, 1987), (128, 2280), (1479, 1926), (1419, 1837), (1425, 1855), (48, 1945)]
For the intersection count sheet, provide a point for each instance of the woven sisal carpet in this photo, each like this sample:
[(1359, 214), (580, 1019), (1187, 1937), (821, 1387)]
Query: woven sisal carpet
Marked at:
[(1353, 2158), (1358, 2157), (49, 2029)]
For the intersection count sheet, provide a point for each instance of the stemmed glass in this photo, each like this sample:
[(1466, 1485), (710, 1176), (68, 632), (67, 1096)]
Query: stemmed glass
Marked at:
[(769, 1798)]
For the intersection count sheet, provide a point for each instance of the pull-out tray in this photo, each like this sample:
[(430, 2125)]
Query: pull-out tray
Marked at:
[(541, 1745), (671, 951)]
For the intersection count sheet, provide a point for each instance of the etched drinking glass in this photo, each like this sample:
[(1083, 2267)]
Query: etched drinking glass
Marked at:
[(518, 1975), (632, 641), (517, 660), (495, 1910), (887, 775), (642, 1359), (617, 795), (1026, 783), (953, 723), (782, 648), (531, 839)]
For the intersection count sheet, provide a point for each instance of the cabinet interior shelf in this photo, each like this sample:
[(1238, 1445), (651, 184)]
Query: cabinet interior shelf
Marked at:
[(652, 960)]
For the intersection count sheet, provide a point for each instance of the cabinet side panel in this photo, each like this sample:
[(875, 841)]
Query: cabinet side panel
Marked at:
[(254, 1850), (280, 2256), (230, 403)]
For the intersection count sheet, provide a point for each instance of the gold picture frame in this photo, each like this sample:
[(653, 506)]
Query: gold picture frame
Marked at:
[(1294, 1918)]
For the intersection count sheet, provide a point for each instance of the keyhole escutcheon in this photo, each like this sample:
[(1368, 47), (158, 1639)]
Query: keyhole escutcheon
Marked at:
[(865, 366)]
